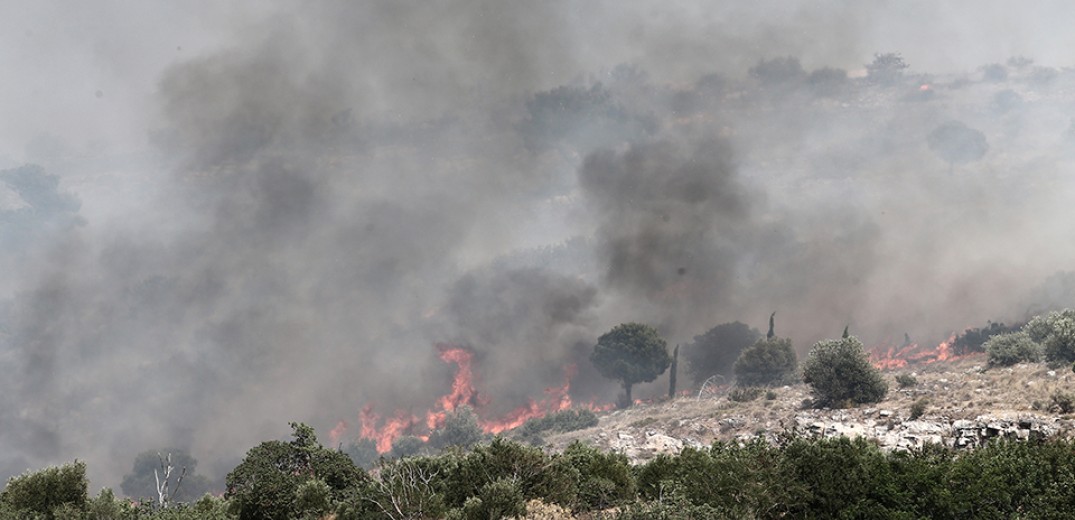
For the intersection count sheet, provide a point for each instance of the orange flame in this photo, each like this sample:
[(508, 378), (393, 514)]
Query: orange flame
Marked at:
[(464, 393), (912, 354), (336, 433)]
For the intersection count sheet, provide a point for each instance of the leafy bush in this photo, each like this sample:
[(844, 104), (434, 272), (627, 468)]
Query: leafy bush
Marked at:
[(1056, 332), (265, 484), (840, 374), (1062, 402), (973, 340), (715, 351), (562, 421), (460, 429), (406, 446), (498, 499), (906, 380), (768, 361), (44, 492), (744, 394), (604, 478), (1008, 349), (918, 408)]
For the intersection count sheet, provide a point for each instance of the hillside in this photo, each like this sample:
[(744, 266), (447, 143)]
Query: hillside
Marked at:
[(967, 404)]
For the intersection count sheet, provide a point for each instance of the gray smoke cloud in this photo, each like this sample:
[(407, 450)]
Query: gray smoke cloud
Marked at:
[(273, 211)]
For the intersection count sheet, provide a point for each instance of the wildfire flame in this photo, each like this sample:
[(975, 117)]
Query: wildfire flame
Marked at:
[(385, 431), (911, 354)]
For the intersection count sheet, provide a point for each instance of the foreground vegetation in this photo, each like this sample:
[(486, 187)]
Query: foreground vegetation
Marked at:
[(797, 478)]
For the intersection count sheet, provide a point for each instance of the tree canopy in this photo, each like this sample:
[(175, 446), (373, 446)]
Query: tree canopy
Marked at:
[(715, 351), (632, 353)]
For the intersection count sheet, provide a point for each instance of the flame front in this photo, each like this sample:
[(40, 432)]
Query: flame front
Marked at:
[(464, 393), (911, 354)]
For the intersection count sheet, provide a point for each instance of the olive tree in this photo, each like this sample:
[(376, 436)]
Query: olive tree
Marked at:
[(840, 374), (631, 353)]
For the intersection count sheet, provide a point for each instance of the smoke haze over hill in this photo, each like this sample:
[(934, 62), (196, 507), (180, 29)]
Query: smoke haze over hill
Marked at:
[(249, 214)]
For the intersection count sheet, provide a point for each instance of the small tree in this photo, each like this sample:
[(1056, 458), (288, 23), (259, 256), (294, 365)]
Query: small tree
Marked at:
[(768, 361), (715, 351), (957, 143), (840, 374), (266, 484), (886, 69), (632, 353)]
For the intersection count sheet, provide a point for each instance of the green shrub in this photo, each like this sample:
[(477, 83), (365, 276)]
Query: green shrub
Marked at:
[(44, 492), (1008, 349), (538, 475), (407, 446), (1056, 332), (264, 486), (460, 429), (604, 478), (498, 499), (562, 421), (973, 340), (918, 408), (906, 380), (840, 374), (743, 394), (768, 361), (1062, 402)]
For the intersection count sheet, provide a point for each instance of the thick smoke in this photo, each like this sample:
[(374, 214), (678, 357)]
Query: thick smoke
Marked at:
[(329, 190)]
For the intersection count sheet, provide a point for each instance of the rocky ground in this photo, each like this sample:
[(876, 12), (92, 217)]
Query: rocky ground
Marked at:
[(966, 404)]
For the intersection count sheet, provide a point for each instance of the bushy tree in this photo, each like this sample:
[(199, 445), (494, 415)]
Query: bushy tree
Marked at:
[(460, 429), (1056, 332), (973, 340), (604, 478), (632, 353), (715, 351), (45, 492), (1015, 347), (769, 361), (840, 374), (886, 69), (265, 485), (957, 143)]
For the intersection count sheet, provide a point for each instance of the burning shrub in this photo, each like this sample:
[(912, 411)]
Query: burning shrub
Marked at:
[(716, 351), (769, 361), (1056, 332), (840, 374), (1009, 349), (632, 353), (460, 429), (46, 491)]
